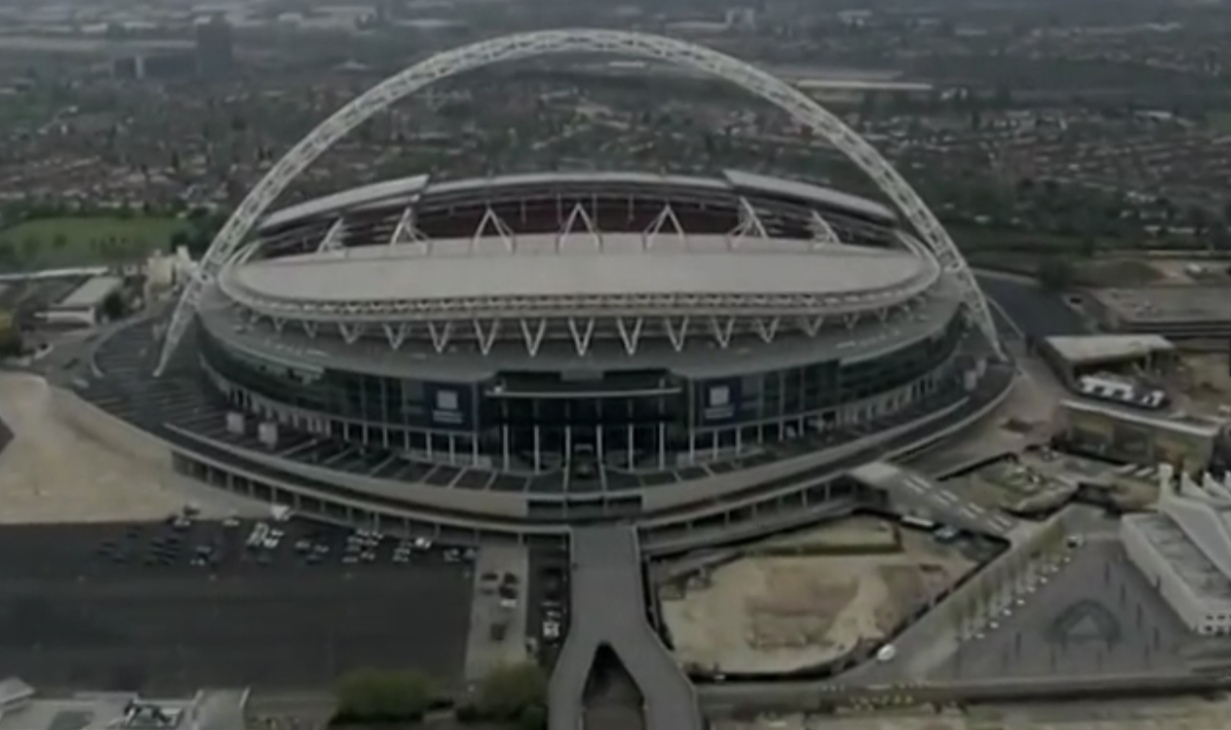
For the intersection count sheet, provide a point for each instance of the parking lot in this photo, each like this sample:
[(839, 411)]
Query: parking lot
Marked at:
[(547, 603), (171, 607)]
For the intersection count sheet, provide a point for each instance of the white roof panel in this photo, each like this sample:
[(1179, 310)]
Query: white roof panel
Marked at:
[(92, 292), (387, 273), (367, 194), (565, 178), (808, 191), (1097, 348)]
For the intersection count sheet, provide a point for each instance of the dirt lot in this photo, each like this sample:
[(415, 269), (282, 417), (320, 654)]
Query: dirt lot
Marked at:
[(781, 613), (53, 473)]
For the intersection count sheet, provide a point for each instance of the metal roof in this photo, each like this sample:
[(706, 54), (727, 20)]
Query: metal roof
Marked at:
[(807, 191), (1079, 349), (624, 266), (534, 179), (375, 357), (1205, 525), (408, 188), (91, 293), (344, 200), (1200, 429)]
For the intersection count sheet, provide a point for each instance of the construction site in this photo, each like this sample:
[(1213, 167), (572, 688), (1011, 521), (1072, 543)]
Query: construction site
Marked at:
[(806, 600)]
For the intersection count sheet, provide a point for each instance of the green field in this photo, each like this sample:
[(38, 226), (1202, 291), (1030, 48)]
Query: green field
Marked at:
[(1221, 121), (85, 241)]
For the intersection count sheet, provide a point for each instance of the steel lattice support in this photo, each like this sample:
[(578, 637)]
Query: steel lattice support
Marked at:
[(529, 45)]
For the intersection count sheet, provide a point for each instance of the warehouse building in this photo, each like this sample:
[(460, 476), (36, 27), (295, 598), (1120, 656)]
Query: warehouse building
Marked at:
[(1184, 551), (1179, 312), (1132, 437), (84, 306), (1075, 356)]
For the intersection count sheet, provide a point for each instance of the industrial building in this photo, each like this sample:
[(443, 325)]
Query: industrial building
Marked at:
[(1184, 549), (1120, 369), (1132, 437), (1178, 312), (84, 306)]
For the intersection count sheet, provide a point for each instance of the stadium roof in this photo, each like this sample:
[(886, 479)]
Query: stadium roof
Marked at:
[(389, 190), (408, 189), (625, 266), (294, 348), (808, 191)]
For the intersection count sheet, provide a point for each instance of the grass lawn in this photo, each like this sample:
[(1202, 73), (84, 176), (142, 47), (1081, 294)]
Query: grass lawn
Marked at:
[(52, 242), (1221, 121)]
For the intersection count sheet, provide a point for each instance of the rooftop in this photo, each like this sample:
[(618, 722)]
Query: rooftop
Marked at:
[(549, 265), (1083, 349), (1184, 555), (1187, 426), (1165, 304), (375, 357), (408, 189), (92, 292)]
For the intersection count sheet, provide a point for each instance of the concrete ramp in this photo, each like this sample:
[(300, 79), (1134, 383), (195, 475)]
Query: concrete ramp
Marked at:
[(609, 609), (913, 493)]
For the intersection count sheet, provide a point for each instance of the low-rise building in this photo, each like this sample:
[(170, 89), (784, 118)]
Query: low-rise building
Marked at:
[(1133, 437), (1184, 551), (84, 306)]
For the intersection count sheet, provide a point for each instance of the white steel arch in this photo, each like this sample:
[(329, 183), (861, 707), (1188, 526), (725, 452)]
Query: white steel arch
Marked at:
[(528, 45)]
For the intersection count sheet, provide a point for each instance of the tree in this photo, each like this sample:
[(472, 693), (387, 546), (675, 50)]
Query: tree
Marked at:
[(511, 693), (113, 307), (30, 247), (180, 238), (1055, 274), (375, 695)]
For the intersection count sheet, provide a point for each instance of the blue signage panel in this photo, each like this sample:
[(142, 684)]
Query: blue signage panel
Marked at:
[(719, 400), (448, 405)]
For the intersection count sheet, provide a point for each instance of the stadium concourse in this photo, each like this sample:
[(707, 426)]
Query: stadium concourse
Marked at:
[(698, 359)]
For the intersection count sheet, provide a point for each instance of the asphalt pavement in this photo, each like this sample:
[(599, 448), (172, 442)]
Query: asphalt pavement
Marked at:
[(1095, 616), (1036, 312), (112, 607)]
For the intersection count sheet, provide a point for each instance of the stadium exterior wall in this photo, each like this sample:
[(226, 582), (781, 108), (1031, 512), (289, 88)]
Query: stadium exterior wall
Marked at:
[(654, 499), (665, 534)]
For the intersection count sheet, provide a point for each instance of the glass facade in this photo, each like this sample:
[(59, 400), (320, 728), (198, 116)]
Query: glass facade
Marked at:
[(533, 421)]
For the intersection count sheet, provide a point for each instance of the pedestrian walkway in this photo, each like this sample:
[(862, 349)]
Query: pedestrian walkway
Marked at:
[(497, 626), (916, 494), (609, 610)]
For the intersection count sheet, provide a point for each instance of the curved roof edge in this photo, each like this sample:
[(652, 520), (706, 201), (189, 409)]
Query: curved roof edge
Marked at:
[(808, 191), (416, 186), (375, 192)]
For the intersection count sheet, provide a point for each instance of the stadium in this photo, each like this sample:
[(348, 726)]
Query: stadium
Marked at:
[(698, 355)]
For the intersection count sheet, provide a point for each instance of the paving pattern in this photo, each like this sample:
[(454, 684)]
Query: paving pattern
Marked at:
[(1097, 615), (72, 614)]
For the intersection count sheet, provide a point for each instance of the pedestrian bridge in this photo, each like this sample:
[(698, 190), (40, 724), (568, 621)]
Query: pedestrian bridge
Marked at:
[(610, 641)]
